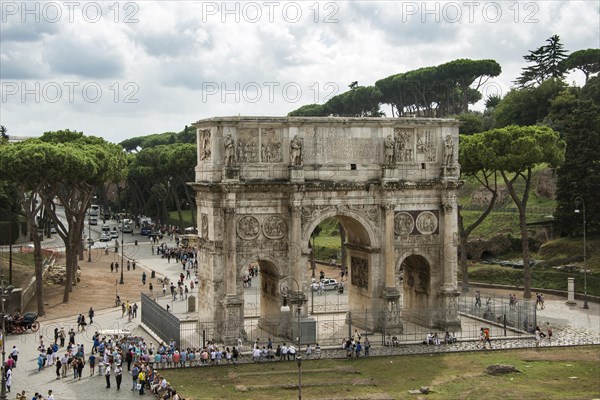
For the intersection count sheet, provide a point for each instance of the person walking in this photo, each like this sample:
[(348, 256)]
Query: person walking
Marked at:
[(144, 278), (91, 315), (118, 375), (14, 354)]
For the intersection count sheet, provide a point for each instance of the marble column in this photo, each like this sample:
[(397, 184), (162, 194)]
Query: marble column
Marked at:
[(229, 250)]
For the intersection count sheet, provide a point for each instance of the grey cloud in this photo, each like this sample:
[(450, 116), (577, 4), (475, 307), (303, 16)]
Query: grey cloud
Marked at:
[(17, 31), (91, 59)]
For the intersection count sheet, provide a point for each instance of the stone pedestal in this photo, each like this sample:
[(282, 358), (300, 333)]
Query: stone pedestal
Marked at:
[(390, 173), (231, 173), (233, 319), (447, 319), (571, 291), (296, 173), (391, 323)]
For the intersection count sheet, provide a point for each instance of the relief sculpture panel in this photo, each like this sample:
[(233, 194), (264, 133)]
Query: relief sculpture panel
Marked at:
[(270, 148), (404, 144), (359, 272), (274, 227), (403, 224), (248, 227), (426, 223), (204, 226), (247, 145)]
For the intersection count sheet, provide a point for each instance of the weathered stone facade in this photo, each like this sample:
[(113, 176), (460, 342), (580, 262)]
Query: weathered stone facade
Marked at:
[(264, 183)]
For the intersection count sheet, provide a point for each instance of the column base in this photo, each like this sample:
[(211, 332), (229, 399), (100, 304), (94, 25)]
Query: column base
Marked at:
[(447, 319), (391, 324), (233, 319)]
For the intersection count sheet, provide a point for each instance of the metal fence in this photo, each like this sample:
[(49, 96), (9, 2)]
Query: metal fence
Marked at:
[(498, 309), (164, 324), (329, 330)]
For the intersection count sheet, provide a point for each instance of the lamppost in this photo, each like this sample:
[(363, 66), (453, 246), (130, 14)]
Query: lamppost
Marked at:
[(299, 360), (89, 237), (579, 201), (90, 232), (121, 282)]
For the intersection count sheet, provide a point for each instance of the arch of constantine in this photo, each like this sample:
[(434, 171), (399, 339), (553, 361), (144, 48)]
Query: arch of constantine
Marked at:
[(264, 183)]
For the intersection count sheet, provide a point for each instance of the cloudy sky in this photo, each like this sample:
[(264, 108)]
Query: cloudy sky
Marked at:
[(125, 69)]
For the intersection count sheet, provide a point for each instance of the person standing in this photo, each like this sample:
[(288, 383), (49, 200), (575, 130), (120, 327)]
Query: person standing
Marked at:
[(144, 278), (91, 315), (134, 374), (141, 381), (92, 362), (80, 365), (58, 368), (50, 395), (62, 336), (107, 376), (118, 375), (55, 335)]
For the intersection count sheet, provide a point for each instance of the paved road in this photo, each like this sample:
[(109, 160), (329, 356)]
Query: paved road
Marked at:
[(572, 325)]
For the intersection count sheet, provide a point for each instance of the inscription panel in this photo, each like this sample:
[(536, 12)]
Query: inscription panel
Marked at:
[(325, 145)]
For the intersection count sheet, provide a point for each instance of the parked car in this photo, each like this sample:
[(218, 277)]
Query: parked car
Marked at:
[(328, 284), (104, 237), (191, 230)]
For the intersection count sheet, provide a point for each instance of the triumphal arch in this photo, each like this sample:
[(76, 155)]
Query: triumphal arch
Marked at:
[(264, 183)]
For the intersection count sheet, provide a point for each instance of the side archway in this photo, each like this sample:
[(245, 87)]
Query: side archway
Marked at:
[(416, 287)]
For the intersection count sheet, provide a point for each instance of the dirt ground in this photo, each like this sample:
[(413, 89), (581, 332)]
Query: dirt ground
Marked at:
[(98, 288)]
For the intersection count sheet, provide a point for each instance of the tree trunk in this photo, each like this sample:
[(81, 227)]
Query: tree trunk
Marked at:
[(39, 271), (525, 249)]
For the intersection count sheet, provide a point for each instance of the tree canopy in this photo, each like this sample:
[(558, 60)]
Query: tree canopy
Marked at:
[(440, 91), (514, 151), (547, 63), (587, 61)]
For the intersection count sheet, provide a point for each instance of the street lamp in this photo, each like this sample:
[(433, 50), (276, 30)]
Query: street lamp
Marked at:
[(299, 360), (90, 232), (121, 282), (579, 201)]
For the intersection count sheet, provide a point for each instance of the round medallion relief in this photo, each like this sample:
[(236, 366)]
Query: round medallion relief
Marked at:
[(403, 224), (426, 223), (274, 227), (248, 227)]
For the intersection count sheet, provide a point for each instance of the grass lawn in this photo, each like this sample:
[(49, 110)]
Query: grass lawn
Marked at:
[(556, 373)]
